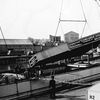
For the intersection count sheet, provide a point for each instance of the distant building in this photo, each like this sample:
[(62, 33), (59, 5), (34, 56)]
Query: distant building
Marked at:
[(71, 36), (24, 45), (55, 38), (16, 44)]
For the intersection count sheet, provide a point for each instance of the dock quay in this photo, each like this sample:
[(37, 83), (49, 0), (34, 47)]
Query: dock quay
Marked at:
[(70, 81)]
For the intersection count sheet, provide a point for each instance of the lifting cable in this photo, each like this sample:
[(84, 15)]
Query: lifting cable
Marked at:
[(98, 6), (3, 38), (86, 22), (61, 28), (59, 18), (97, 2), (84, 18)]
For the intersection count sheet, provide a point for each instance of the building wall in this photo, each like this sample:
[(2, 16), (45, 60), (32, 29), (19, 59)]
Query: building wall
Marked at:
[(71, 36), (25, 48), (55, 38), (16, 45)]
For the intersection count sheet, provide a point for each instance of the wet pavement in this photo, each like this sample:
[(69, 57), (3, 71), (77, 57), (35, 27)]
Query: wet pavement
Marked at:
[(79, 94), (59, 97)]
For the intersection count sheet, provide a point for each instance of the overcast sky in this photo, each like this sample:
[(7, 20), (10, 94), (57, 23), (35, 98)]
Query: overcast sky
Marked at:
[(39, 18)]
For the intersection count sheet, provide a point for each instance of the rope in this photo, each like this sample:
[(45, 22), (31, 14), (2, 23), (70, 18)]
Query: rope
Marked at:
[(84, 18), (97, 2), (61, 29), (3, 38), (97, 7), (83, 30), (59, 18)]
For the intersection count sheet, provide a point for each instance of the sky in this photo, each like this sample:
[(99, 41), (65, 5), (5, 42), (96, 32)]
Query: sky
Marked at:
[(20, 19)]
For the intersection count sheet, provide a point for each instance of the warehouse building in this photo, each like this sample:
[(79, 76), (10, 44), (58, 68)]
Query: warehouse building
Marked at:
[(20, 45)]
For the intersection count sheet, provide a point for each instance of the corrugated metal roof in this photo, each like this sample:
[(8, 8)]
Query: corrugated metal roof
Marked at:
[(15, 42)]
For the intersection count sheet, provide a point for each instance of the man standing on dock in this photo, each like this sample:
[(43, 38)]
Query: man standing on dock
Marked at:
[(52, 85)]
